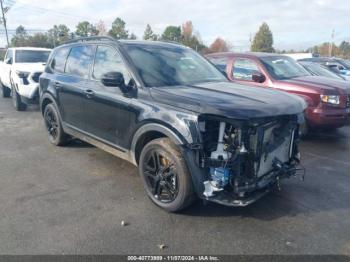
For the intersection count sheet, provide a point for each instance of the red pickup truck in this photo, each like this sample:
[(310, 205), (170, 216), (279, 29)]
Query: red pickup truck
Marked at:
[(328, 99)]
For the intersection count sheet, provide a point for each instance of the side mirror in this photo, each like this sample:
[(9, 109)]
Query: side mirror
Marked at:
[(8, 61), (258, 77), (114, 79)]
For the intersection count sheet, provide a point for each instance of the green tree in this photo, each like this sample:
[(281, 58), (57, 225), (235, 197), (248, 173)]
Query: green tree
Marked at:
[(132, 36), (85, 29), (263, 40), (172, 33), (39, 40), (20, 38), (58, 35), (344, 49), (118, 30), (149, 34)]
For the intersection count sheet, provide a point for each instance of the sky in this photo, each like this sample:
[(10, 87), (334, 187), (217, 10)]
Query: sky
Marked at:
[(295, 24)]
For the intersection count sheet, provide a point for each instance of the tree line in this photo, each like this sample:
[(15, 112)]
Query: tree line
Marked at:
[(184, 34), (59, 34)]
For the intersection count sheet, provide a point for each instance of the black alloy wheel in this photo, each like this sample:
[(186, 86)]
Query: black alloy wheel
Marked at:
[(51, 123), (161, 176), (165, 176), (53, 126)]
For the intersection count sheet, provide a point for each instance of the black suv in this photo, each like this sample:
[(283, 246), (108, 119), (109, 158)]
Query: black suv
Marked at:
[(169, 111)]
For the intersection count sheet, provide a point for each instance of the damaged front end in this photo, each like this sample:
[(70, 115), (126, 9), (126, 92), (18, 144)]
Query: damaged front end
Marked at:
[(243, 159)]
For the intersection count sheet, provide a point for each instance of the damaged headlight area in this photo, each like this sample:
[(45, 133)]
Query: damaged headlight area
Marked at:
[(244, 159)]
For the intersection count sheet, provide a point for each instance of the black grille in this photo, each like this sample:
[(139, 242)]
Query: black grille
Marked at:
[(348, 102), (36, 76)]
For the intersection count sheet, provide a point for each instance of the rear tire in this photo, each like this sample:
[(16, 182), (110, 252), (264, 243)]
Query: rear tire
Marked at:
[(5, 91), (165, 176), (17, 101), (54, 126)]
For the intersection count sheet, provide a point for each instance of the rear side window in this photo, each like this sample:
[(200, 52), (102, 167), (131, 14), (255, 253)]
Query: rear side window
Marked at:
[(59, 60), (244, 68), (79, 61)]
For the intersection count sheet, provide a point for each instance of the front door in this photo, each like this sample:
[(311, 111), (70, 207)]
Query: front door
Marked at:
[(107, 109), (243, 70)]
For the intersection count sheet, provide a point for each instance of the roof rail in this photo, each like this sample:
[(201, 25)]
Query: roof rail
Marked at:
[(91, 38), (171, 42)]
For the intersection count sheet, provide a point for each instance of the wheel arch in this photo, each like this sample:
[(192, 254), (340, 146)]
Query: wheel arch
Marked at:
[(45, 100), (149, 132)]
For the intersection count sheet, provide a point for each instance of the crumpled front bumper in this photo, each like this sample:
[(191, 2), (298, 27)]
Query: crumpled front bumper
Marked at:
[(252, 192)]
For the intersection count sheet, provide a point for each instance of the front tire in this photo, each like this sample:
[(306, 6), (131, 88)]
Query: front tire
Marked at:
[(54, 126), (17, 101), (165, 175), (5, 91), (304, 130)]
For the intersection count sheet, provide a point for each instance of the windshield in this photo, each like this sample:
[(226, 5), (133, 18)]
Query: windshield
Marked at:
[(281, 67), (31, 56), (345, 63), (320, 70), (171, 66)]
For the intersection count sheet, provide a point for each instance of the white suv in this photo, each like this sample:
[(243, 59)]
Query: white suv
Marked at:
[(20, 72)]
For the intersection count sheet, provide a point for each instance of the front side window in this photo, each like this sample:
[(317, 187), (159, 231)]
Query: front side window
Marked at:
[(282, 67), (59, 60), (220, 63), (79, 61), (108, 60), (32, 56), (244, 68), (171, 66)]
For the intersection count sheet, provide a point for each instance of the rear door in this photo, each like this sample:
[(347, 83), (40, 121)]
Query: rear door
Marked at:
[(71, 84), (106, 109)]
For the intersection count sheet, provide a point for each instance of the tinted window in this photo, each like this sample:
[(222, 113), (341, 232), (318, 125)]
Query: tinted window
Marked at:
[(244, 68), (59, 60), (79, 60), (171, 65), (282, 67), (108, 60), (31, 56), (220, 63), (319, 70)]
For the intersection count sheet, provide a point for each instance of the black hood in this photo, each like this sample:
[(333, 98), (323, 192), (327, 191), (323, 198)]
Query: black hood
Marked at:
[(230, 100)]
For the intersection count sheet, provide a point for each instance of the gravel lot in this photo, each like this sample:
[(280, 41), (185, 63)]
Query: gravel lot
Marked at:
[(71, 200)]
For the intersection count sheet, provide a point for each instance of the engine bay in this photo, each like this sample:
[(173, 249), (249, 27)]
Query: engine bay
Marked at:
[(244, 156)]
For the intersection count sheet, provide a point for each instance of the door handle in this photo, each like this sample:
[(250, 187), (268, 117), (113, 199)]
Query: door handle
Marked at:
[(89, 93)]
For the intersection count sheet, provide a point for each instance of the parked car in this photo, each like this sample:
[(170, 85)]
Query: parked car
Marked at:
[(167, 110), (20, 72), (328, 99), (321, 70), (336, 65)]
